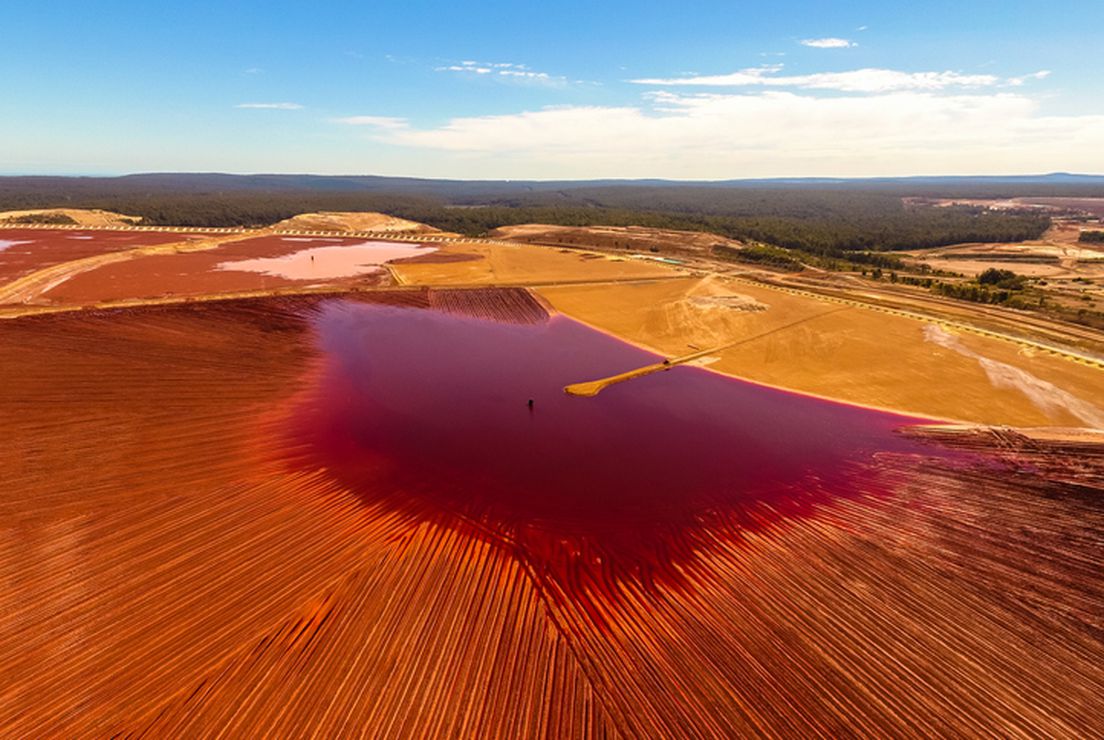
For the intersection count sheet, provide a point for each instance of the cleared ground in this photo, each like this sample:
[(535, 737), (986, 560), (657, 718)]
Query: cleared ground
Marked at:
[(1059, 258), (502, 264), (1067, 273), (838, 351), (615, 238), (79, 216)]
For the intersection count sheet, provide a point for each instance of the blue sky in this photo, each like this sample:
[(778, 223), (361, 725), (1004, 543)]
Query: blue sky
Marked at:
[(707, 90)]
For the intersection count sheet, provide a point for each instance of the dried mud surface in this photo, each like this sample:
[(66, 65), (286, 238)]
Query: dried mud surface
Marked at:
[(22, 251), (200, 273)]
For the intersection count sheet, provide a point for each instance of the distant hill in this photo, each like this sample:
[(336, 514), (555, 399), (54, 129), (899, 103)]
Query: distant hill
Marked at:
[(468, 192)]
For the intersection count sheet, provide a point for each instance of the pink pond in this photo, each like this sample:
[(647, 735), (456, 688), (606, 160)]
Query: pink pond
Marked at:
[(329, 262), (427, 413)]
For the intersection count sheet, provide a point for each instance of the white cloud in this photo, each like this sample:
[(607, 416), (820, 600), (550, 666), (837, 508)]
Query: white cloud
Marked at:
[(505, 72), (769, 133), (1042, 74), (868, 80), (386, 123), (828, 43), (269, 106)]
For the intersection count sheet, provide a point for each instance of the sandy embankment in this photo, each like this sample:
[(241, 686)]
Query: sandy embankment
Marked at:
[(498, 264), (856, 355), (352, 221), (79, 216)]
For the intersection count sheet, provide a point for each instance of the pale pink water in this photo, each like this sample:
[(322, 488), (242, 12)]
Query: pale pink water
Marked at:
[(324, 263)]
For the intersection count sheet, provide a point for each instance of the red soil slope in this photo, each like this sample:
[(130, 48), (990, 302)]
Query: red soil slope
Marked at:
[(333, 516)]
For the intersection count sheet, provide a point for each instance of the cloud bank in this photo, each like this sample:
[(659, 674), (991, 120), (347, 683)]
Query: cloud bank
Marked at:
[(867, 80), (911, 129)]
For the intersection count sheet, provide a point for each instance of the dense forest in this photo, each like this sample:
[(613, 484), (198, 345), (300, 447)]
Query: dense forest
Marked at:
[(818, 220)]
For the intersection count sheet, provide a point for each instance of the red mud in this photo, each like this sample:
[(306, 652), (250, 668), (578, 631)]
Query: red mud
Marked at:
[(195, 273), (35, 249), (190, 548), (428, 413)]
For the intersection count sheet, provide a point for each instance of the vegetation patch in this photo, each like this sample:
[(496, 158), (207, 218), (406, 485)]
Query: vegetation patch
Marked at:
[(992, 286), (1005, 279), (53, 219), (779, 259)]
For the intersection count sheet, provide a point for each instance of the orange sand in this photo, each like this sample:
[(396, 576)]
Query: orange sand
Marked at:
[(525, 265), (855, 354)]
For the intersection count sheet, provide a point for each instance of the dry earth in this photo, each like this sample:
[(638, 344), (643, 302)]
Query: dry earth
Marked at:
[(629, 238), (83, 217), (843, 352), (353, 221), (505, 264)]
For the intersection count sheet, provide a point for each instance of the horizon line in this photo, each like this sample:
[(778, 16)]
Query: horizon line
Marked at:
[(776, 178)]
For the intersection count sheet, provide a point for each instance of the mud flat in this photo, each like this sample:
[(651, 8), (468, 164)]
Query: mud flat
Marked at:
[(259, 263), (289, 513), (23, 251)]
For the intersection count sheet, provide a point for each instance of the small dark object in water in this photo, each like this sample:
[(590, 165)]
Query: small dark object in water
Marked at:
[(530, 403)]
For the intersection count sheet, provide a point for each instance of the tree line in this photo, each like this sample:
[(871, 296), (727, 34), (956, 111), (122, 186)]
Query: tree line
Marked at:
[(824, 223)]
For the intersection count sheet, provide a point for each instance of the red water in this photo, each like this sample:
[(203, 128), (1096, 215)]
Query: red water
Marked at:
[(427, 414)]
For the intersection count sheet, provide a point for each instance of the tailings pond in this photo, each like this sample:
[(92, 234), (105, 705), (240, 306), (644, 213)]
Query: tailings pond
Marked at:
[(428, 413)]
